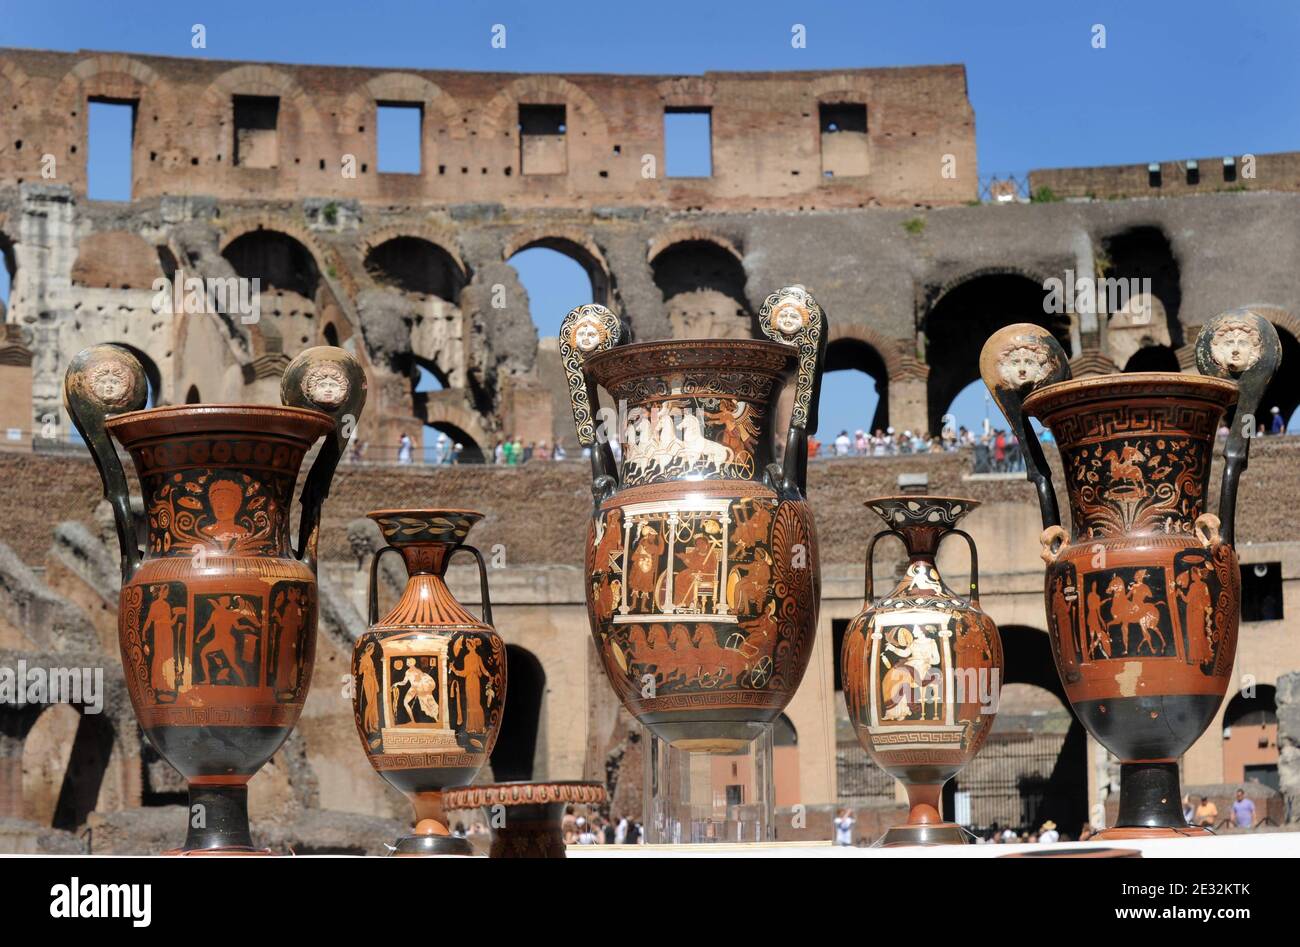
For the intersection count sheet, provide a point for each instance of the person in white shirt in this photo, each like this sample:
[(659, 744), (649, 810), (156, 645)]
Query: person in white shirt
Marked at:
[(842, 444), (844, 827), (1048, 834)]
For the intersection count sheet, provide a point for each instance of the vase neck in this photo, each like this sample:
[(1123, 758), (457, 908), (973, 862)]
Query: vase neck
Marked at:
[(427, 600), (922, 542)]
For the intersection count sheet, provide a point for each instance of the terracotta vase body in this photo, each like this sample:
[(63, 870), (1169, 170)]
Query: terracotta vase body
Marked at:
[(430, 678), (1143, 596), (526, 818), (702, 563), (922, 668), (217, 616)]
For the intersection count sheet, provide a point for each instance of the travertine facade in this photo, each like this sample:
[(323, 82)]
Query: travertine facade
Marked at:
[(855, 183)]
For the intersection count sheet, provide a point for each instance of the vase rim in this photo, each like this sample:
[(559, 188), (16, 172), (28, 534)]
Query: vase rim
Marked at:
[(1063, 394), (923, 498), (424, 511), (639, 358), (303, 424)]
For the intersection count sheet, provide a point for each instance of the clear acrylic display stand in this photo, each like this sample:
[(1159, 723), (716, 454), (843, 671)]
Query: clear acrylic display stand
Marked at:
[(703, 797)]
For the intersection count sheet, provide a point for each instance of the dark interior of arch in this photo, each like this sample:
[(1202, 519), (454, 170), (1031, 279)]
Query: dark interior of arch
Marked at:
[(9, 260), (962, 321), (277, 259), (1260, 709), (856, 355), (1153, 358), (1145, 253), (1284, 390), (1028, 660), (516, 749), (700, 265), (152, 376), (414, 265)]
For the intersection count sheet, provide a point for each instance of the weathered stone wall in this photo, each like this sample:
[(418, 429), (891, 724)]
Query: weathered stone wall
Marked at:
[(1268, 172), (766, 132)]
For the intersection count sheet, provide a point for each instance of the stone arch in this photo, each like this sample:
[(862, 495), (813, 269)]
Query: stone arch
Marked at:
[(703, 281), (443, 240), (403, 87), (258, 79), (686, 92), (853, 347), (112, 76), (496, 120), (936, 295), (324, 257), (692, 235), (963, 313), (1284, 390), (293, 290), (574, 243), (452, 413)]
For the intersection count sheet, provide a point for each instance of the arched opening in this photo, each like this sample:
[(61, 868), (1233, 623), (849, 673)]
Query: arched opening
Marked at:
[(416, 266), (1128, 261), (439, 437), (1283, 392), (1034, 765), (962, 319), (192, 396), (1250, 749), (515, 754), (1153, 358), (331, 334), (703, 287), (289, 284), (92, 748), (558, 275), (855, 390), (16, 723)]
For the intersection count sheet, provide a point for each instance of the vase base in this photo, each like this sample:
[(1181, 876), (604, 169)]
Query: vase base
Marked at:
[(425, 845), (232, 850), (929, 833), (1124, 832)]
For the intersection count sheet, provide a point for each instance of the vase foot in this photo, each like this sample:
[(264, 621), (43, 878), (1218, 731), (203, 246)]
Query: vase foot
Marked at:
[(234, 850), (424, 845), (1118, 833), (219, 822), (929, 833)]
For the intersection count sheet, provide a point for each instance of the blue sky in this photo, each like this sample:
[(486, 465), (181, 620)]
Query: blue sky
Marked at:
[(1174, 80)]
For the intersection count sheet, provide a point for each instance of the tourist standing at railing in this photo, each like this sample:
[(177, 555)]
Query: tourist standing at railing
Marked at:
[(1279, 426), (499, 453), (814, 446), (528, 452), (404, 444), (842, 444), (559, 453), (456, 450), (1243, 810), (861, 446), (543, 452)]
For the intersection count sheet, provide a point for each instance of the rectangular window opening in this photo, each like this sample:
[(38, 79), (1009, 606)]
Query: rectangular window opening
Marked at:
[(844, 144), (257, 139), (399, 133), (1261, 591), (543, 148), (688, 142), (111, 140)]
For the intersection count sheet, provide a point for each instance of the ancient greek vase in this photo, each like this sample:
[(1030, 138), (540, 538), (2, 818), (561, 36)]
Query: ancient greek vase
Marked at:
[(430, 678), (526, 818), (922, 667), (1142, 594), (701, 558), (217, 616)]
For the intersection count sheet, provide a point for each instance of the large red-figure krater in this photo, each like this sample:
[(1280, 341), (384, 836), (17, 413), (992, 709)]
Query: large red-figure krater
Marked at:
[(217, 615), (701, 559), (1142, 594)]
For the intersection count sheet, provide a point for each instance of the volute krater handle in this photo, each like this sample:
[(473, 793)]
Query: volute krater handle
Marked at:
[(793, 317), (327, 379), (102, 381), (1242, 346), (1015, 361), (585, 331)]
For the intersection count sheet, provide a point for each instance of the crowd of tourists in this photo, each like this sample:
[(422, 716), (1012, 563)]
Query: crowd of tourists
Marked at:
[(577, 829), (995, 450)]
